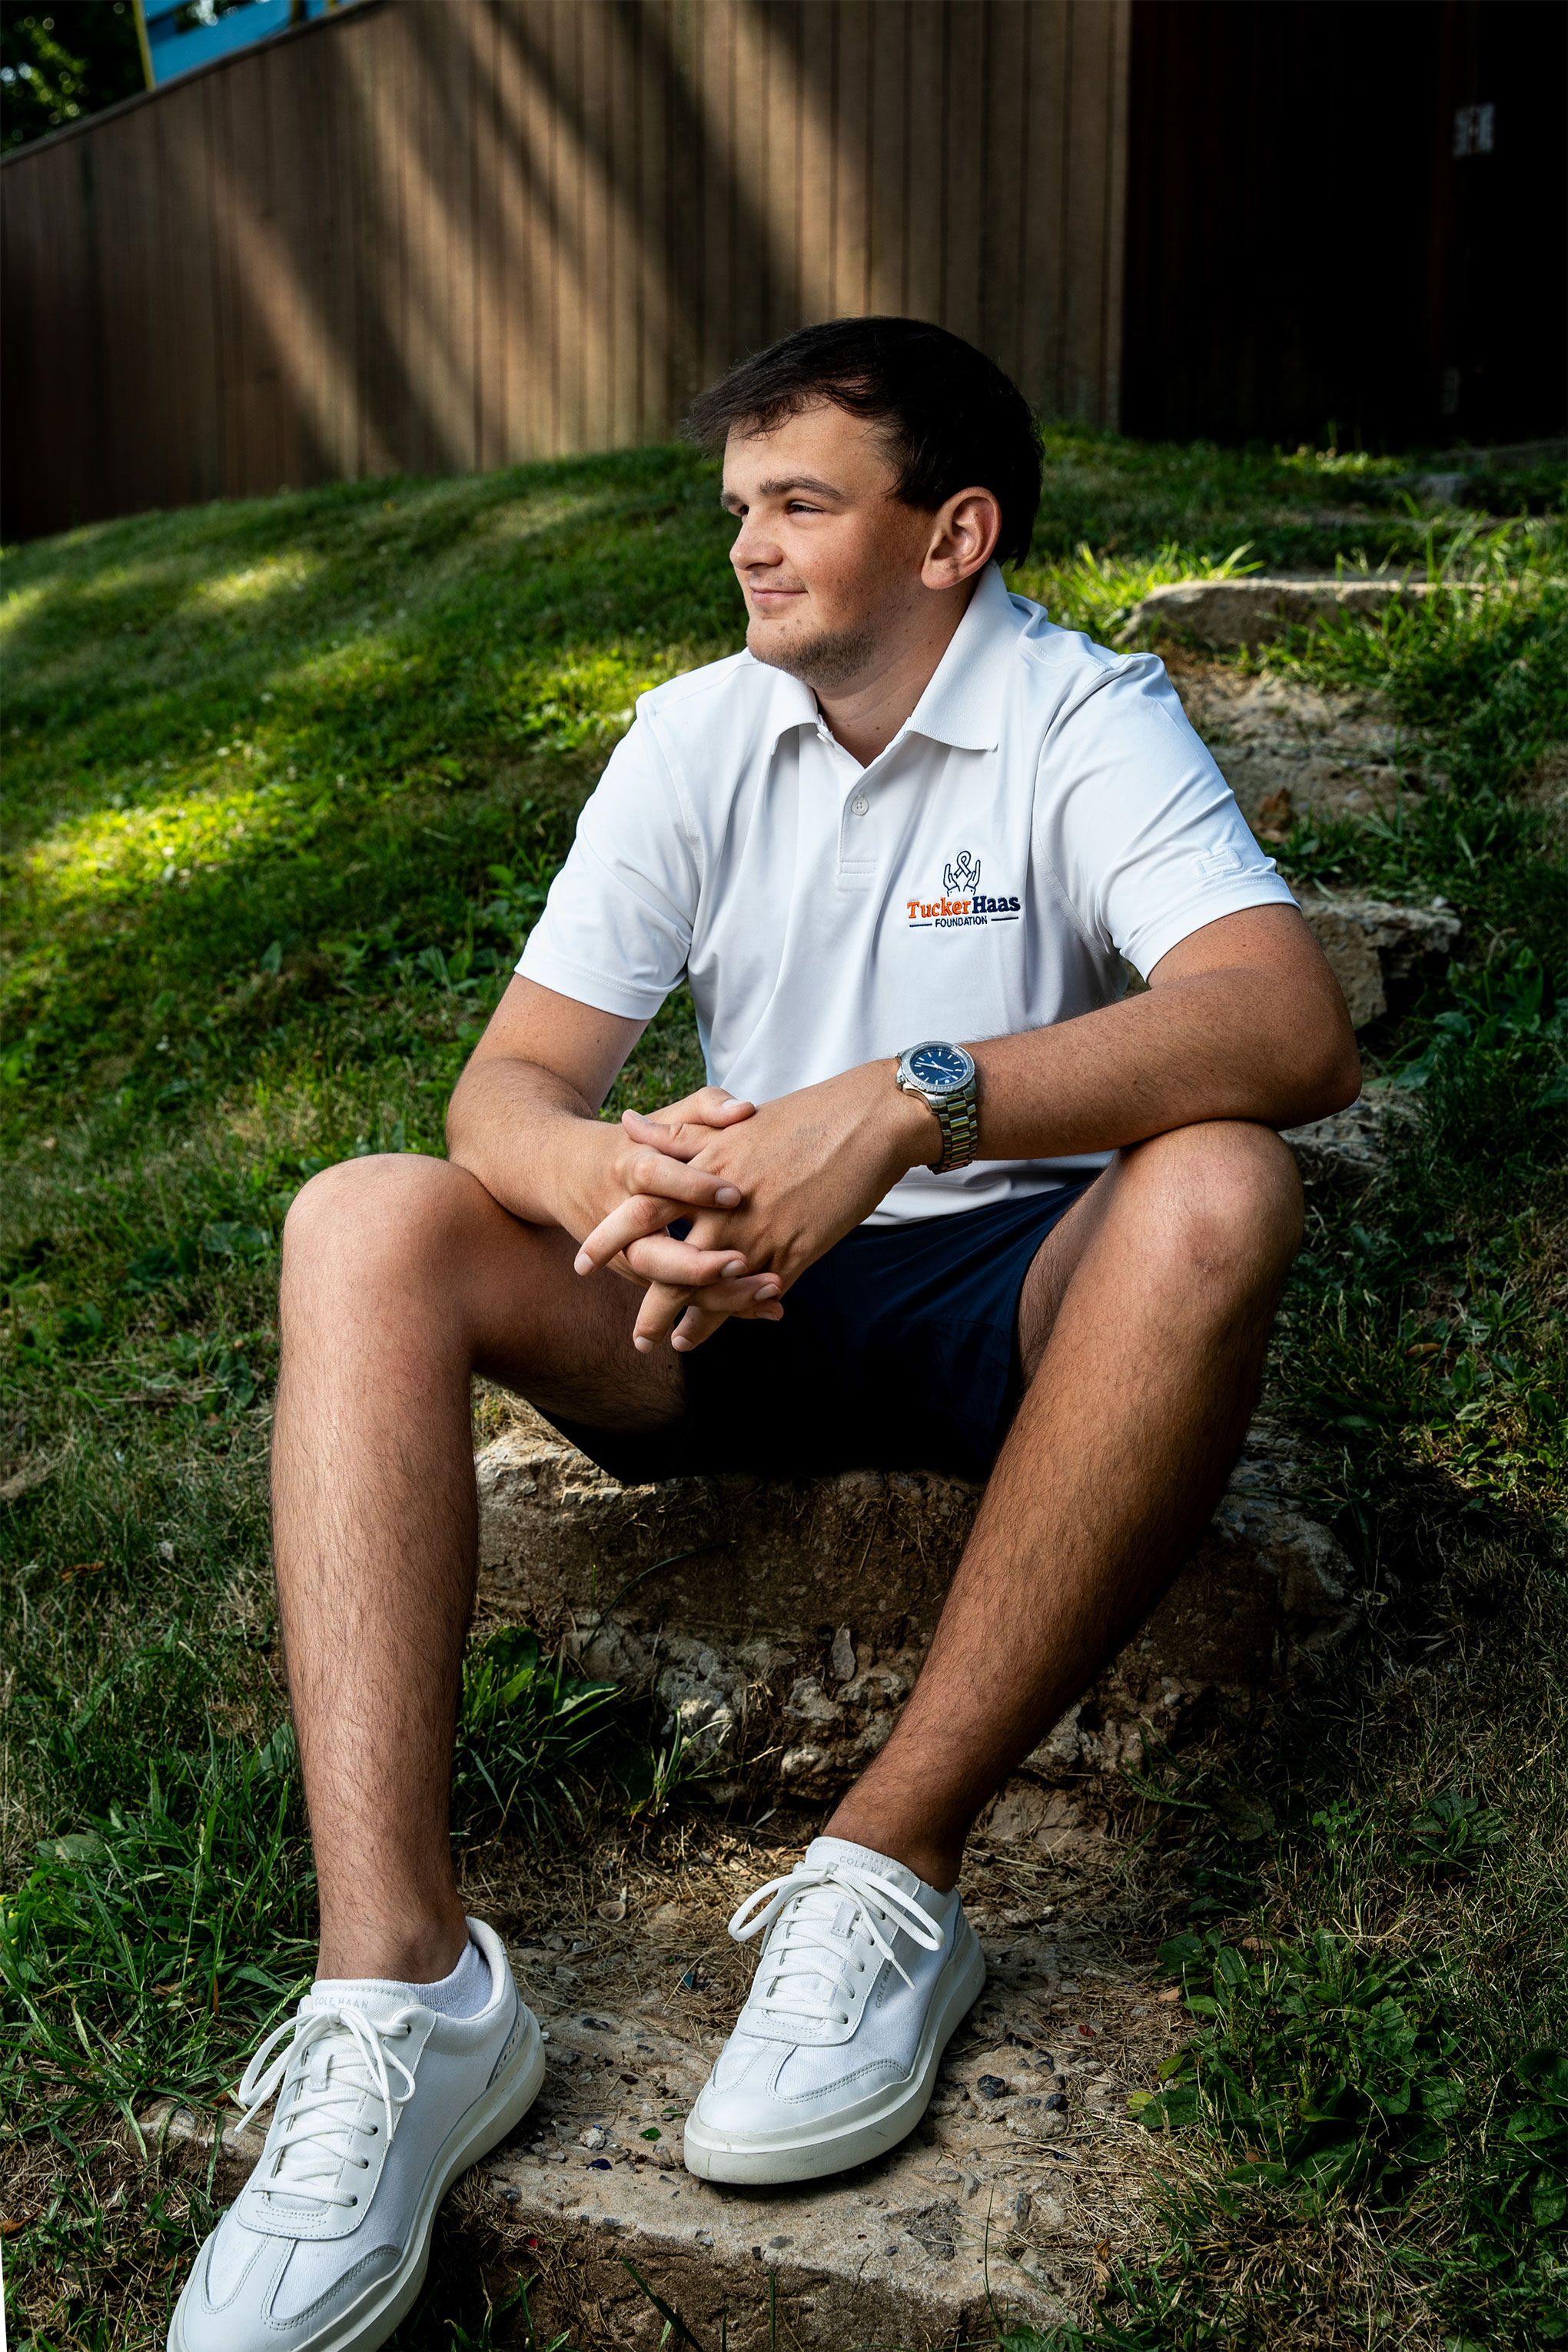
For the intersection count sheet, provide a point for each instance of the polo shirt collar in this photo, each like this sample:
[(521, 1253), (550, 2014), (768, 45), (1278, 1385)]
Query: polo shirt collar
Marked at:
[(961, 705), (793, 703), (962, 700)]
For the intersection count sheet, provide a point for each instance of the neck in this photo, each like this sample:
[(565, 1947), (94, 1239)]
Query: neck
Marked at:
[(868, 711)]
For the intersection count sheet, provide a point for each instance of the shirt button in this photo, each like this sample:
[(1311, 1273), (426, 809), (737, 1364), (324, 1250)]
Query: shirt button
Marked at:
[(859, 804)]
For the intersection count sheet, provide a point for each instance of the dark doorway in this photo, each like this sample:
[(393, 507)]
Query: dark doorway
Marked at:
[(1348, 218)]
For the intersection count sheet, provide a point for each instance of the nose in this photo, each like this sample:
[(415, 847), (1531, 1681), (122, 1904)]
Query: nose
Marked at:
[(752, 546)]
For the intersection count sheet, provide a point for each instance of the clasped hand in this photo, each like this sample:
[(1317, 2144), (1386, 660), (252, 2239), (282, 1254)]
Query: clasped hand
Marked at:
[(767, 1191)]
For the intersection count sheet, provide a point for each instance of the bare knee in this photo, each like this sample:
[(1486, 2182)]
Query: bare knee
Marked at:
[(377, 1219), (1226, 1199)]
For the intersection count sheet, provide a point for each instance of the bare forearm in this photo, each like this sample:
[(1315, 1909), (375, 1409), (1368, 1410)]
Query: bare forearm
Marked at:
[(1218, 1044), (532, 1141)]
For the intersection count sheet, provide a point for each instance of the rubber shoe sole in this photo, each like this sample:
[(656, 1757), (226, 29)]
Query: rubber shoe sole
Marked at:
[(505, 2101), (811, 2151)]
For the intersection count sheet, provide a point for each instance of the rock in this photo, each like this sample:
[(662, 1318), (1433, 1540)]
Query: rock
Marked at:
[(730, 1597), (1350, 1146), (1250, 612), (166, 2122), (1373, 947), (1290, 750)]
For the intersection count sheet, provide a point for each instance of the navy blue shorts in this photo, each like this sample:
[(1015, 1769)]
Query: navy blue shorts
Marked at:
[(898, 1350)]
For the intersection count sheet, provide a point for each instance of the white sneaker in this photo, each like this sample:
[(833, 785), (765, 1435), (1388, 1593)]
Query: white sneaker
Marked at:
[(865, 1975), (381, 2104)]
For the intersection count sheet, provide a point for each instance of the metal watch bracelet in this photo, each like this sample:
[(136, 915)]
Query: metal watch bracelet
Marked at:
[(958, 1115)]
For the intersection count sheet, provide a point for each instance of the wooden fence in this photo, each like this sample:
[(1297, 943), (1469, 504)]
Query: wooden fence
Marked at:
[(425, 235)]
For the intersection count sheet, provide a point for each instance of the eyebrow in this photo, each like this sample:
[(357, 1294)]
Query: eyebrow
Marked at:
[(781, 486)]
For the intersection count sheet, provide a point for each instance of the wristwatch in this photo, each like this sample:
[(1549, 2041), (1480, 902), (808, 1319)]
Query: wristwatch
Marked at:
[(944, 1076)]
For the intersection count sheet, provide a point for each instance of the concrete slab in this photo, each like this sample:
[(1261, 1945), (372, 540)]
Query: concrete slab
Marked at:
[(995, 2211)]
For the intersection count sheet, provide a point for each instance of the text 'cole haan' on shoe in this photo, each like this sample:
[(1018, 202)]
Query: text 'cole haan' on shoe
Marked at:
[(382, 2103), (864, 1977)]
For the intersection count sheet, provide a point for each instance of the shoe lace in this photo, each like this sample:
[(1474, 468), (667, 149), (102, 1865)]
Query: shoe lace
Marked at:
[(806, 1909), (339, 2054)]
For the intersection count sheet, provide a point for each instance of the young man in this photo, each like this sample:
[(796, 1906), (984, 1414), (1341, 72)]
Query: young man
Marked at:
[(951, 1198)]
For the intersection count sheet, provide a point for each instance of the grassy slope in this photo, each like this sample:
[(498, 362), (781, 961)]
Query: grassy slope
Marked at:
[(285, 784)]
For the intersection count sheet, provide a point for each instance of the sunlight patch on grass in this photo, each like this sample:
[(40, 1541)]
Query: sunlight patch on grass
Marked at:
[(116, 854), (273, 575)]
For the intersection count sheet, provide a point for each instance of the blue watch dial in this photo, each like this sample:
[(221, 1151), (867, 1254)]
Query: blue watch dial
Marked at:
[(942, 1067)]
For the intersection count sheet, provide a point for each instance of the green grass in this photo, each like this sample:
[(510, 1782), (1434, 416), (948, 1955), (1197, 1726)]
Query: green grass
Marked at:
[(285, 785)]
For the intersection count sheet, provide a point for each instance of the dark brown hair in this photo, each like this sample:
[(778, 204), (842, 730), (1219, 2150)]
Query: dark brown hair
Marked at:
[(949, 415)]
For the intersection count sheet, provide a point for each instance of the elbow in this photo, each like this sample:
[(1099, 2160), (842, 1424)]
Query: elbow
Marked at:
[(1333, 1080)]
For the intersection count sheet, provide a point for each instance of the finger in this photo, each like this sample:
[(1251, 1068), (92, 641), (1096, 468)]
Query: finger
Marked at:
[(662, 1309), (679, 1138), (714, 1107), (736, 1294), (709, 1107), (753, 1298), (741, 1299), (676, 1139), (659, 1257), (644, 1213), (658, 1167), (665, 1303), (700, 1322)]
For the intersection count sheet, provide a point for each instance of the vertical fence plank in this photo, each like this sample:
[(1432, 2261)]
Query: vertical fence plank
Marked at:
[(887, 156), (968, 146), (926, 212), (851, 160), (1086, 252), (1045, 203), (1000, 222)]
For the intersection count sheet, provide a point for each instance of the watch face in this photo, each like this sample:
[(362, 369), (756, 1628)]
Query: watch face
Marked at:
[(942, 1068)]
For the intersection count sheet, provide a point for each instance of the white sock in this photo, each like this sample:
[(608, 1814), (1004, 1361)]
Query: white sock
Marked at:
[(462, 1994)]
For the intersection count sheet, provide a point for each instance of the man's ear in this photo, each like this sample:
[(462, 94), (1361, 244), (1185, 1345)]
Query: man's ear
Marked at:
[(964, 533)]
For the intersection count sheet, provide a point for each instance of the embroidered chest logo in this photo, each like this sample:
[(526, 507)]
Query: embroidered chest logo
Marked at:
[(964, 903)]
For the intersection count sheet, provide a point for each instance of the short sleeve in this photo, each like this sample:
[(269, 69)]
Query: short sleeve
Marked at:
[(616, 926), (1139, 827)]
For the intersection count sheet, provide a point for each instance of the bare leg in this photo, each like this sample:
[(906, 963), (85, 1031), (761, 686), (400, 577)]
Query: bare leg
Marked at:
[(402, 1278), (1144, 1323)]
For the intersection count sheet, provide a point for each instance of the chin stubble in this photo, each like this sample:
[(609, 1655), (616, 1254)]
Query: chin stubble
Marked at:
[(827, 660)]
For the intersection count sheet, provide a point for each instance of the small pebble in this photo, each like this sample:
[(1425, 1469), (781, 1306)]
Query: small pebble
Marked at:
[(1055, 2104), (991, 2086)]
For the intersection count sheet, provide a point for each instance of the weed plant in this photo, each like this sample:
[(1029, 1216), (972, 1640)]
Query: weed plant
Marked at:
[(286, 784)]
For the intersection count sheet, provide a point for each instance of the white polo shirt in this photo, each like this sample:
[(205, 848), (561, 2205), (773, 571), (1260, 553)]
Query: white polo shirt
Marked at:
[(1046, 810)]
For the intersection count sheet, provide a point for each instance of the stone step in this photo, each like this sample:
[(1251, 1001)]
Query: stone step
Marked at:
[(784, 1621), (1027, 2162), (1375, 949), (1227, 614)]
